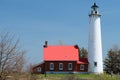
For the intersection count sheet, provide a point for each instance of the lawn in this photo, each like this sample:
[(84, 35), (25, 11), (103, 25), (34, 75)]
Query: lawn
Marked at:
[(77, 77), (63, 77)]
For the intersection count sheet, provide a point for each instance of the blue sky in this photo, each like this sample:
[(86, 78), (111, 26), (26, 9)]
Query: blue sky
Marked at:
[(59, 22)]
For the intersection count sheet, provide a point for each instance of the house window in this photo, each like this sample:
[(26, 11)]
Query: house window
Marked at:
[(95, 64), (69, 66), (39, 69), (82, 67), (51, 66), (60, 66)]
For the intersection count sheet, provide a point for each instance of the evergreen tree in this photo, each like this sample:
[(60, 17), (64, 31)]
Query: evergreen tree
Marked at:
[(112, 62), (83, 53)]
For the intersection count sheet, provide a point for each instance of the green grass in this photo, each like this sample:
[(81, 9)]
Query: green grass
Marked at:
[(78, 77)]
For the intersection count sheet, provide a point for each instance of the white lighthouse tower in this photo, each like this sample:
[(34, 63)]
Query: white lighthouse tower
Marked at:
[(94, 43)]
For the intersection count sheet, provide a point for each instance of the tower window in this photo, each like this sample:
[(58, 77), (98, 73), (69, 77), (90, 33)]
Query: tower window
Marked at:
[(95, 12), (95, 64)]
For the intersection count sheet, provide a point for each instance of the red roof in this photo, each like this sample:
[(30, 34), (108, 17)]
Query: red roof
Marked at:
[(58, 53)]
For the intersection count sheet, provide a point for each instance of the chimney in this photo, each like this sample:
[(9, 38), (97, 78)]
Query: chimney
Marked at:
[(46, 44), (76, 46)]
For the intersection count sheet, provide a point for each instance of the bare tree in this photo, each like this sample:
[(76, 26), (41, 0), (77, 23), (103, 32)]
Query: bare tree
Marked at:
[(11, 55)]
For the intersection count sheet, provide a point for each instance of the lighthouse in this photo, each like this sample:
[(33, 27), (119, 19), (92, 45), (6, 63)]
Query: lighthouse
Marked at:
[(94, 42)]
